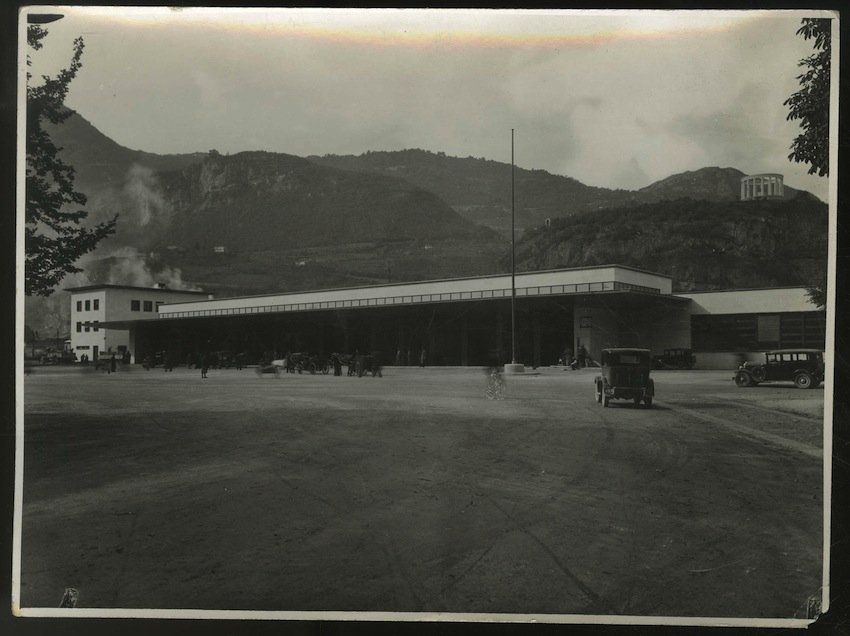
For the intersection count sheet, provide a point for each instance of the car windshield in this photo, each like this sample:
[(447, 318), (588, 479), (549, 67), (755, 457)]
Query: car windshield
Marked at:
[(625, 358)]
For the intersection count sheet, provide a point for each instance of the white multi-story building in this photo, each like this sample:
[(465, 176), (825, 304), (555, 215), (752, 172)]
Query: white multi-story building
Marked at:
[(95, 304)]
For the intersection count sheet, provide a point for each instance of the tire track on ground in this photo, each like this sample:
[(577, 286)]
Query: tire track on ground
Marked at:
[(597, 603), (746, 431)]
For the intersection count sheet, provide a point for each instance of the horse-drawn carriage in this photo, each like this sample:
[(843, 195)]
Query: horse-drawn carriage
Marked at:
[(301, 362)]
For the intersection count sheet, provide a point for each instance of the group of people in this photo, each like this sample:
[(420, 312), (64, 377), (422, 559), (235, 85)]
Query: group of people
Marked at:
[(407, 360), (581, 359), (110, 365)]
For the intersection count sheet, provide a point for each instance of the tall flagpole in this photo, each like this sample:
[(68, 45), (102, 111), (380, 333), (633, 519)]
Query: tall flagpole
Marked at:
[(513, 260)]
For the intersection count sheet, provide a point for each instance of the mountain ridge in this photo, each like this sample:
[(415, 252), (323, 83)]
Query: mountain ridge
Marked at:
[(258, 222)]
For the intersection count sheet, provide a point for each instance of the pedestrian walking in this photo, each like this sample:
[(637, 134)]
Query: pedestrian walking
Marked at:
[(423, 356), (113, 364)]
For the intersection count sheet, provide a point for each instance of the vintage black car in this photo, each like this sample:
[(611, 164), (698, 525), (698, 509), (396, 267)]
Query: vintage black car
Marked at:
[(625, 375), (676, 359), (804, 367)]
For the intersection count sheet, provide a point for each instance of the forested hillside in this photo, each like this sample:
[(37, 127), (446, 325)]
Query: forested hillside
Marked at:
[(701, 244)]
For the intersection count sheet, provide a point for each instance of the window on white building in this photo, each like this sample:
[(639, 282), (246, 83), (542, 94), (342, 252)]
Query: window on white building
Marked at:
[(135, 305), (148, 305), (96, 304), (79, 305), (79, 327), (88, 305)]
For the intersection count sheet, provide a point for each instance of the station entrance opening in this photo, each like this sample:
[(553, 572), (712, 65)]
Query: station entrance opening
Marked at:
[(459, 334)]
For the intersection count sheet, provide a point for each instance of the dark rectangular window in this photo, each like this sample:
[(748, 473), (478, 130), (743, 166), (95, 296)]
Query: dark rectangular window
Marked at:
[(95, 325), (96, 305), (79, 327), (148, 305), (79, 305), (754, 332), (135, 305), (88, 328), (88, 305), (768, 330)]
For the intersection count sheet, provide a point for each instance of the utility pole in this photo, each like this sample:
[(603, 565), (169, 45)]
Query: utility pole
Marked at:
[(513, 367), (513, 259)]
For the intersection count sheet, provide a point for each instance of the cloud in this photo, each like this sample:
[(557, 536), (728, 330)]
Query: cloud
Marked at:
[(632, 176), (742, 135)]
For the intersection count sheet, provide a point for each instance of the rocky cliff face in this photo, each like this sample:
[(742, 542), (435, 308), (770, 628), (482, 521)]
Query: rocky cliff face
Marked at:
[(261, 200)]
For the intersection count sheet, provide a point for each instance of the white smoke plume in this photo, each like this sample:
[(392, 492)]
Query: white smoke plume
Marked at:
[(129, 267), (142, 196)]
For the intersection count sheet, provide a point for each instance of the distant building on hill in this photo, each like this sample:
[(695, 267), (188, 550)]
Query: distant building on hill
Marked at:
[(762, 186)]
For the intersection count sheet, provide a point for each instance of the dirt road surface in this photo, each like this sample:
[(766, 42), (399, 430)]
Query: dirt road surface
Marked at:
[(415, 493)]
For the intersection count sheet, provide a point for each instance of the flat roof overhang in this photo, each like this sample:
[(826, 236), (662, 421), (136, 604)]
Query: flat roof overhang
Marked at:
[(166, 290), (625, 298), (573, 281)]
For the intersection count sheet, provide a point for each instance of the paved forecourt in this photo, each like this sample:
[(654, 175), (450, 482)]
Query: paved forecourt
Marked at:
[(414, 493)]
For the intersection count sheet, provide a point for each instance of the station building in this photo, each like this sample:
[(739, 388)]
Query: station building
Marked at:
[(467, 321), (94, 305)]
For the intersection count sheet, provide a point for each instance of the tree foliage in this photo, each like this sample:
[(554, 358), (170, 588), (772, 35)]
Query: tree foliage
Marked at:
[(810, 104), (817, 296), (55, 237)]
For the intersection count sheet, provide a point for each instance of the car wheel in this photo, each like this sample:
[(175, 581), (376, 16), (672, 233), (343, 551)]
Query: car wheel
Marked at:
[(803, 381), (599, 392), (742, 378), (759, 374), (648, 401)]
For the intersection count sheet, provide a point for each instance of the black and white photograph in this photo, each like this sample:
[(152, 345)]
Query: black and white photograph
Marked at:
[(442, 315)]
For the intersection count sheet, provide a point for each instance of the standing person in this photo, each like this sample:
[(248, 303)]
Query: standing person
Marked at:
[(582, 357), (205, 363), (113, 364), (398, 357), (423, 356), (337, 364)]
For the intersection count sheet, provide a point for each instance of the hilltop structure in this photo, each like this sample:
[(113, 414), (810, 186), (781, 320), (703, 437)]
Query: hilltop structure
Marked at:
[(762, 186)]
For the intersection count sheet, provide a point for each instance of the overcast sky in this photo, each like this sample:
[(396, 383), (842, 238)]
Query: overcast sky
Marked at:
[(614, 100)]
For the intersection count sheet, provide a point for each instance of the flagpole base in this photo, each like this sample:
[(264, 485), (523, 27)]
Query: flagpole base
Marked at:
[(512, 368)]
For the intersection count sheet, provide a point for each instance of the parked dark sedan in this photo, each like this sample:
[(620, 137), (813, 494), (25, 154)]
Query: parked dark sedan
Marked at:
[(625, 375), (676, 359), (804, 367)]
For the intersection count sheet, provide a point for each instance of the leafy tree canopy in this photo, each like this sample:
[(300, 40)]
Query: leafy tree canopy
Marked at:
[(810, 104), (55, 237)]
